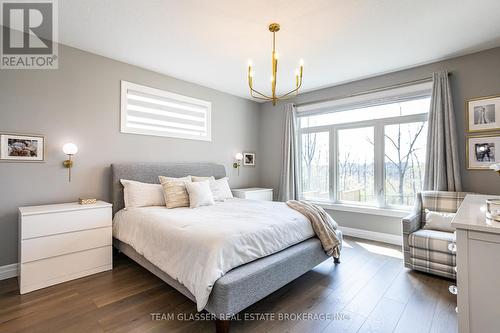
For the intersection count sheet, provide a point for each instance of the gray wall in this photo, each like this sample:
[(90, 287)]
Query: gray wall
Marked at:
[(473, 76), (80, 103)]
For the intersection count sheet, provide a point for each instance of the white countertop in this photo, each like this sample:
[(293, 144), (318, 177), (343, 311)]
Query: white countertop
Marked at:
[(472, 215)]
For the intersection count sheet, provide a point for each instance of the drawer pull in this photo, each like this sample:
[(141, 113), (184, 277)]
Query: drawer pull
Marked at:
[(456, 309), (452, 247), (453, 289)]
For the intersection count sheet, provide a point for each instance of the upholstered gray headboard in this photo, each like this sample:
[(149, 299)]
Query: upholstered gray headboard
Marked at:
[(149, 172)]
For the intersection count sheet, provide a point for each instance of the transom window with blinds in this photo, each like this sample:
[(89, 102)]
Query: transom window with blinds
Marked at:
[(150, 111)]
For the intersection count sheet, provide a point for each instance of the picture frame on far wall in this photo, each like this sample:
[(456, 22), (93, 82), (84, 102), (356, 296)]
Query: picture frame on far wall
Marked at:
[(482, 151), (16, 147), (483, 114), (249, 159)]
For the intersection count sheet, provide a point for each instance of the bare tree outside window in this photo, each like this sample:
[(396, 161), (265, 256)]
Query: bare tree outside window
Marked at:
[(404, 162), (315, 166)]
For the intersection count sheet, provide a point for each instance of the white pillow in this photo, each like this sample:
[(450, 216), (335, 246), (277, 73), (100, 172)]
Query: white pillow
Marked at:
[(137, 194), (199, 194), (440, 221), (220, 189)]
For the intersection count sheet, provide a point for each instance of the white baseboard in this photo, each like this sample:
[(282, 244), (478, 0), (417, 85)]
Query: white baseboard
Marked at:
[(8, 271), (373, 235)]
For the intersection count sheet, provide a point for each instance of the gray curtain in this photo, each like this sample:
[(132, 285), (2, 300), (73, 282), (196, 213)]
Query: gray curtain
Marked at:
[(442, 171), (289, 181)]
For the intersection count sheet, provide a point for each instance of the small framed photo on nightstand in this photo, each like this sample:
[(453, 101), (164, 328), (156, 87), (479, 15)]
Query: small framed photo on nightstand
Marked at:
[(249, 159)]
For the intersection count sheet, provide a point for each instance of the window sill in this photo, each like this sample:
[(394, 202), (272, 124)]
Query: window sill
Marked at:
[(363, 209)]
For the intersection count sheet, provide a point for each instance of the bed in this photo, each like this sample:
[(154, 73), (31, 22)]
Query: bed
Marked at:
[(239, 285)]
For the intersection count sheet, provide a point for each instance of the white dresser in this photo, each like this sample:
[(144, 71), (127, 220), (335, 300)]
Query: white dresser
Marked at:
[(62, 242), (254, 193), (478, 267)]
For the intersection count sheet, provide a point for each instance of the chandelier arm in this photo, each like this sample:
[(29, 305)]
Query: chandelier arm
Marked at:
[(260, 98), (265, 98), (292, 91), (252, 90)]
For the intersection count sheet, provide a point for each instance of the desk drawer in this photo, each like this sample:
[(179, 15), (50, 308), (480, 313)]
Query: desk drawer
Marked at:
[(55, 245), (65, 221)]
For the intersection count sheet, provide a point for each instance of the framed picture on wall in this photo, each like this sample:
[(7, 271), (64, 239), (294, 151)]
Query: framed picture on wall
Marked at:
[(482, 151), (249, 159), (483, 114), (22, 147)]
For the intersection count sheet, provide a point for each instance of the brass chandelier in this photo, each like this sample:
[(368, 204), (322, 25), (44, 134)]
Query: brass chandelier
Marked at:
[(275, 27)]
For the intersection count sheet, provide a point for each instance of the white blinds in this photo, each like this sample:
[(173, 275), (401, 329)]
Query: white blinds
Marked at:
[(150, 111)]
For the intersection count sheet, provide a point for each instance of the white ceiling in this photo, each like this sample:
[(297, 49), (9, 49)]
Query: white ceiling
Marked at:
[(210, 41)]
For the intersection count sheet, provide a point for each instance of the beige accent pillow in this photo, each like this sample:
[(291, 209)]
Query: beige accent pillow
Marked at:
[(199, 194), (137, 194), (174, 191), (200, 179), (440, 221)]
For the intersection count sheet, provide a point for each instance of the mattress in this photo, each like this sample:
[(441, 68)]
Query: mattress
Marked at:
[(198, 246)]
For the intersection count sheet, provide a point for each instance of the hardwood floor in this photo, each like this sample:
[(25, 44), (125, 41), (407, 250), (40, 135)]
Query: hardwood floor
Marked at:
[(369, 291)]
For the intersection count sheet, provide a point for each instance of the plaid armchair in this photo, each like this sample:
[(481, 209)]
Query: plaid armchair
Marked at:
[(427, 250)]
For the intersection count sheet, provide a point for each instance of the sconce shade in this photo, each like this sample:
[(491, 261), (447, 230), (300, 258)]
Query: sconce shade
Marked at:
[(70, 149), (238, 156)]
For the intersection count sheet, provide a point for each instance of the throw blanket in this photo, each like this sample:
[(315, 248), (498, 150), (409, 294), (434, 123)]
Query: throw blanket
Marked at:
[(322, 223)]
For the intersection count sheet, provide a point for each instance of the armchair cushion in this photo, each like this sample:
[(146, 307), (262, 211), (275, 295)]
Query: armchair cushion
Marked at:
[(431, 240), (448, 259), (442, 201)]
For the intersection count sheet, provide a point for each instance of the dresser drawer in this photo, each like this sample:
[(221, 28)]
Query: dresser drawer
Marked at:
[(46, 272), (55, 245), (65, 221)]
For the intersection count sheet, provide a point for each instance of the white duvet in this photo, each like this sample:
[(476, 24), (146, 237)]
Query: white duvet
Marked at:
[(197, 246)]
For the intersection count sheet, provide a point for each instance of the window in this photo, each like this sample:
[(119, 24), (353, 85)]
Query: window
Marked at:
[(150, 111), (367, 151), (356, 165), (315, 163)]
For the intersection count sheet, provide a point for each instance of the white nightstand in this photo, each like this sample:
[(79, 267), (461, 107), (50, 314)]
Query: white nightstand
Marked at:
[(63, 242), (254, 193)]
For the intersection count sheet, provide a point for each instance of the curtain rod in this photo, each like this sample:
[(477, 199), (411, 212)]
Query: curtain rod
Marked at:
[(399, 85)]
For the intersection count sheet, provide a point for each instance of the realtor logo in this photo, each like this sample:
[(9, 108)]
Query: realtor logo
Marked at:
[(28, 34)]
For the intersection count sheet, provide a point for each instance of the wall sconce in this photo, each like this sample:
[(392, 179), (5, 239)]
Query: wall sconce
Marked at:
[(238, 157), (69, 149)]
